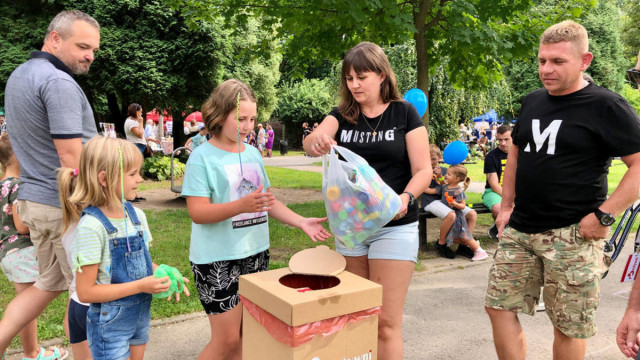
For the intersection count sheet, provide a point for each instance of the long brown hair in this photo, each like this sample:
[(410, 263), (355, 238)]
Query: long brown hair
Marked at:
[(361, 58)]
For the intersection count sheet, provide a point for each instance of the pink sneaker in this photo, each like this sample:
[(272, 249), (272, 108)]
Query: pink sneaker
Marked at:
[(479, 254)]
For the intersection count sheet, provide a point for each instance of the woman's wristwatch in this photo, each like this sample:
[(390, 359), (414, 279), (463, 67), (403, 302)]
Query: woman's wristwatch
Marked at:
[(412, 199)]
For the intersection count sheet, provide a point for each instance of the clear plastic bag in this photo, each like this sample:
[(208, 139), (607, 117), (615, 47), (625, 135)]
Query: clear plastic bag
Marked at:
[(293, 336), (357, 201)]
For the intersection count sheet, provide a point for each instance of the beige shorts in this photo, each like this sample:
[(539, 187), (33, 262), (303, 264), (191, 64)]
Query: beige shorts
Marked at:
[(45, 227), (569, 267)]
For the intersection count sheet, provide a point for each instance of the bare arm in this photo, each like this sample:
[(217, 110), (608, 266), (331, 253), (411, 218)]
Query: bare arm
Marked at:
[(202, 211), (138, 131), (624, 195), (323, 136), (90, 292), (68, 151), (492, 178), (420, 166), (508, 189), (311, 226)]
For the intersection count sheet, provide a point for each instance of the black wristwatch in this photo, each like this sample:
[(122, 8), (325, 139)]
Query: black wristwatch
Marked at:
[(606, 219), (412, 199)]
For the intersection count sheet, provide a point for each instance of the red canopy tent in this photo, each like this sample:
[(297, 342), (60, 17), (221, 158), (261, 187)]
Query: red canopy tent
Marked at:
[(194, 115), (154, 115)]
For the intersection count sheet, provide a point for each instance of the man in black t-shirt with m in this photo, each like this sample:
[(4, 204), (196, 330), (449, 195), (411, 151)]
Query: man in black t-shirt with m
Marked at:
[(554, 198), (494, 164)]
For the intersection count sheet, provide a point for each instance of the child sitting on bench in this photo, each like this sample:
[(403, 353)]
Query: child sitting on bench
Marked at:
[(432, 204)]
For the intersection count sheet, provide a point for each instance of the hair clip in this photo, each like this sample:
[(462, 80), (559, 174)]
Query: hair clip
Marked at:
[(75, 172)]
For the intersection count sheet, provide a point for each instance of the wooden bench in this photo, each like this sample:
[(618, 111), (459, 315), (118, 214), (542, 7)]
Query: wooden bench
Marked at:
[(423, 216)]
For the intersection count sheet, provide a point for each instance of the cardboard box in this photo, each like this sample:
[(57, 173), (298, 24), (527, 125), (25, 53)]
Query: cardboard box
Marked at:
[(323, 297)]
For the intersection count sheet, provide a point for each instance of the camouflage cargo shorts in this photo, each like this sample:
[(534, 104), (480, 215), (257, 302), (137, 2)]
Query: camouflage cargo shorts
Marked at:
[(569, 266)]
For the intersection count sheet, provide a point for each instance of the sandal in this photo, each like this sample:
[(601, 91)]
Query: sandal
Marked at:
[(58, 354)]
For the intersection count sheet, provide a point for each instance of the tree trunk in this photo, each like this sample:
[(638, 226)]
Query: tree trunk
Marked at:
[(422, 60)]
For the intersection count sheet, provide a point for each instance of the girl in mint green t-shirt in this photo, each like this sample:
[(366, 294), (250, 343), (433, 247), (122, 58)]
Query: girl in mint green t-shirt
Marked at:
[(228, 199)]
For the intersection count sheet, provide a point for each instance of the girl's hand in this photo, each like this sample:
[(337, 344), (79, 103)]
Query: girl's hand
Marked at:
[(257, 201), (403, 207), (321, 145), (313, 229), (184, 288), (153, 285)]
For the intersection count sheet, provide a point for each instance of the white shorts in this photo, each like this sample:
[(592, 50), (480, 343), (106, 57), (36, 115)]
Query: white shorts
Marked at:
[(441, 210)]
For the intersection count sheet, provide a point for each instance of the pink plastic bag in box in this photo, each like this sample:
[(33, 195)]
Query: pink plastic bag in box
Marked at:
[(297, 335)]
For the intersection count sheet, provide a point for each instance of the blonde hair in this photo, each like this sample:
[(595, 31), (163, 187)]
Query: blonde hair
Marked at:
[(434, 149), (98, 154), (6, 152), (569, 31), (222, 101), (460, 172), (361, 58)]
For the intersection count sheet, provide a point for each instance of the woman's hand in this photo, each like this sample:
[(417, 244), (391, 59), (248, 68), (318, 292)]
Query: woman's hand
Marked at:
[(257, 201), (313, 228), (321, 145), (404, 198)]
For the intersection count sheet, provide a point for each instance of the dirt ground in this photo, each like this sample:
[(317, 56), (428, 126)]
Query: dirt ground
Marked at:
[(162, 199)]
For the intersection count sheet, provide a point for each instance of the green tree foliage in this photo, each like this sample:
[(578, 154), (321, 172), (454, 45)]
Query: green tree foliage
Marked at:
[(148, 55), (607, 67), (304, 101), (603, 25), (630, 34), (471, 38)]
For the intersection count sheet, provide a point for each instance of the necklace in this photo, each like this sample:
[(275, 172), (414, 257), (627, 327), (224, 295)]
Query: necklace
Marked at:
[(375, 131)]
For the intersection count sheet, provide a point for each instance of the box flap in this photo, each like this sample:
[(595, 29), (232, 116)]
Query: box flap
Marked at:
[(294, 307), (317, 261)]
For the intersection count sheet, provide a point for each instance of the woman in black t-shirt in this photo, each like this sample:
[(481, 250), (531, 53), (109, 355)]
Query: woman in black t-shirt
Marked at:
[(373, 121)]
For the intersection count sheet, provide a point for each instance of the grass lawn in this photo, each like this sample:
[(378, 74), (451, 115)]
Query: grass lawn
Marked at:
[(294, 179), (171, 231)]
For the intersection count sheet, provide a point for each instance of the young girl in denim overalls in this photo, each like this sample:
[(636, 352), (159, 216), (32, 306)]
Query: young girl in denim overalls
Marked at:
[(110, 250)]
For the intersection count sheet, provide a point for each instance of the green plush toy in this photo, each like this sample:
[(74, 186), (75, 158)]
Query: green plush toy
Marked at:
[(177, 282)]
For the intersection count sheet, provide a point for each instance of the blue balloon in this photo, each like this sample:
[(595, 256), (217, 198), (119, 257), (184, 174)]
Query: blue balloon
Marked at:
[(418, 99), (455, 153)]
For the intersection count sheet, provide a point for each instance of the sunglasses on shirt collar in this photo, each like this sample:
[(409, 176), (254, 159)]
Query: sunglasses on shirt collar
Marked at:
[(634, 76)]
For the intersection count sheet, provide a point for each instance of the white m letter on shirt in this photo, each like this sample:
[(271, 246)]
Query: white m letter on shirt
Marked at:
[(551, 132)]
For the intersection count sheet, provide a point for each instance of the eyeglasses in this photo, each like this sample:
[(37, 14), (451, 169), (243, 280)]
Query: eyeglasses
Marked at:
[(634, 76)]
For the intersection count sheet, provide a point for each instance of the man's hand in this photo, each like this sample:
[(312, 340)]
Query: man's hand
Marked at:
[(591, 229), (627, 333), (503, 219)]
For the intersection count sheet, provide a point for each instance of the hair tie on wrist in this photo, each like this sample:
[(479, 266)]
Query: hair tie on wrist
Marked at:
[(75, 172)]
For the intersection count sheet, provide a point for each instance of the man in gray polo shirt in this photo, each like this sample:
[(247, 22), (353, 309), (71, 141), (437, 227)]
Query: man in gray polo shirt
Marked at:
[(48, 119)]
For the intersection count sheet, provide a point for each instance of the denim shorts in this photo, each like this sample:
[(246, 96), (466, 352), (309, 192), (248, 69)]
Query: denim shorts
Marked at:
[(389, 243), (20, 266), (111, 329), (77, 322)]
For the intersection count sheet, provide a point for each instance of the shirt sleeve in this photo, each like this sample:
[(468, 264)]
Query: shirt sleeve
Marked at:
[(86, 246), (65, 104), (196, 178), (490, 164), (413, 118), (623, 138)]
